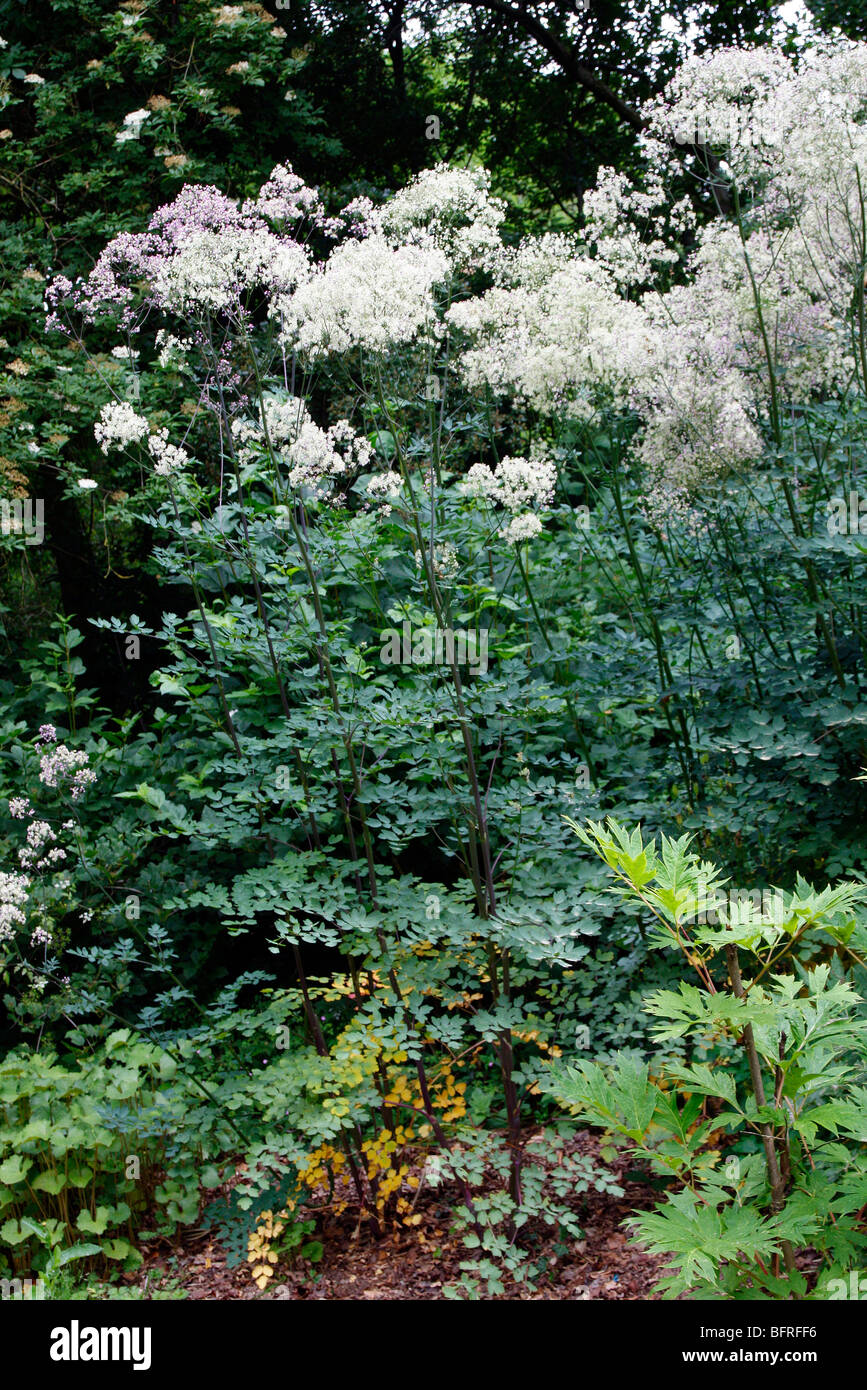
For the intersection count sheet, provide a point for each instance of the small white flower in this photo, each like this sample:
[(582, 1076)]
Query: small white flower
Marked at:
[(38, 833), (384, 485), (132, 124), (172, 350), (88, 484), (119, 425), (168, 458), (523, 528), (228, 14)]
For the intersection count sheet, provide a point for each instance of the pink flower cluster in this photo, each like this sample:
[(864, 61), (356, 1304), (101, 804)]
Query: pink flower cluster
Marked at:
[(64, 764), (201, 251), (59, 765)]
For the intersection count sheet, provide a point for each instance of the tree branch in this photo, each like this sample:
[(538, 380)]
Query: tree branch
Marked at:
[(564, 58)]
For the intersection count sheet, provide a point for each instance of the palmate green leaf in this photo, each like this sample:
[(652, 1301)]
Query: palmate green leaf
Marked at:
[(690, 1007), (832, 907), (169, 686), (742, 925), (705, 1081), (830, 1117), (758, 1009), (679, 1120), (683, 1009), (698, 1237), (621, 849), (683, 882), (79, 1175), (166, 811), (622, 1098), (846, 1116), (151, 796), (115, 1249), (747, 1183), (783, 1287), (848, 1194), (35, 1129)]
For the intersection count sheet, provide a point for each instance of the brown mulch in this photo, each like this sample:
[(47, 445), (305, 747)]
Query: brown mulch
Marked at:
[(413, 1264)]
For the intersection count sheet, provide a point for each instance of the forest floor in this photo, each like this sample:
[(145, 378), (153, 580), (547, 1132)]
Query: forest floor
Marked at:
[(416, 1263)]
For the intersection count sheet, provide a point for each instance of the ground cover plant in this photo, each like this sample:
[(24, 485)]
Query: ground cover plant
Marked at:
[(481, 571)]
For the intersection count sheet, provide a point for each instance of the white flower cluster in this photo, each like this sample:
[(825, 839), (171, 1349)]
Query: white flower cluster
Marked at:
[(172, 350), (714, 95), (564, 327), (802, 234), (318, 455), (517, 484), (551, 333), (35, 853), (285, 417), (368, 294), (446, 561), (285, 197), (315, 456), (557, 332), (168, 458), (385, 488), (523, 528), (132, 126), (13, 897), (627, 226), (695, 433), (118, 426), (210, 269), (450, 208)]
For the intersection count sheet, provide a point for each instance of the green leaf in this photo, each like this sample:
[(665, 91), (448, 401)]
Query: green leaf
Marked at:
[(15, 1169), (77, 1252), (49, 1181), (93, 1224)]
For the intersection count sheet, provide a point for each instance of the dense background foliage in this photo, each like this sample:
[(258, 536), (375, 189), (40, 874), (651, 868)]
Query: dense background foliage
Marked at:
[(319, 914)]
